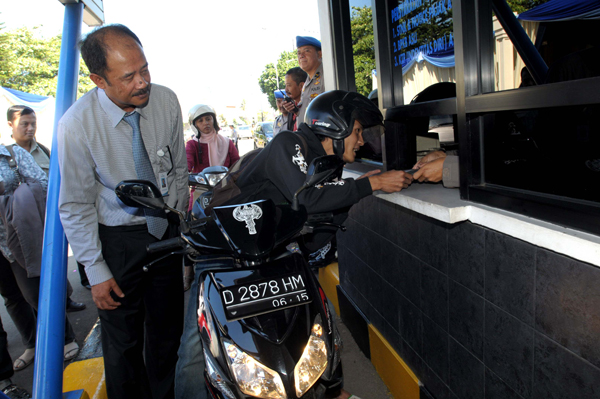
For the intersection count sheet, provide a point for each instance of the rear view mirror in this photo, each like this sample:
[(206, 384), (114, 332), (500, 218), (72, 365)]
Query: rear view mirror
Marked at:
[(319, 170), (140, 194), (208, 178)]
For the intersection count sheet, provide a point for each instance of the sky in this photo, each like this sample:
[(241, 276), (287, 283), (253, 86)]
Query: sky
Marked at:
[(206, 51), (210, 52)]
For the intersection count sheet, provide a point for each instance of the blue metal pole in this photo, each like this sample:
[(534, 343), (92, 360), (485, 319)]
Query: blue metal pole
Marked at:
[(50, 340)]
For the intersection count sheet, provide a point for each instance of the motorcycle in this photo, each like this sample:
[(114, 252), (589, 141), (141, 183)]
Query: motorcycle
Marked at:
[(265, 323)]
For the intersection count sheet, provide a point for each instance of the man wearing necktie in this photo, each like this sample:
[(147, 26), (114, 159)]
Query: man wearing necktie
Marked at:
[(126, 129)]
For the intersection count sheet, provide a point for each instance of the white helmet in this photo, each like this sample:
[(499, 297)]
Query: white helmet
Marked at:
[(197, 111)]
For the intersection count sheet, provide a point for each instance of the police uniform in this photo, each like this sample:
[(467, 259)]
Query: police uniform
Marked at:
[(314, 85), (281, 122), (312, 88)]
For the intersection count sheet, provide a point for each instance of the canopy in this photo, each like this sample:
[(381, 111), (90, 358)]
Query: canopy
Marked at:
[(563, 10), (443, 59), (34, 101)]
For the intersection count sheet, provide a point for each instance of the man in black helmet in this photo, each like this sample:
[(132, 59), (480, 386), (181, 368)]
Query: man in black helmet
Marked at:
[(333, 126)]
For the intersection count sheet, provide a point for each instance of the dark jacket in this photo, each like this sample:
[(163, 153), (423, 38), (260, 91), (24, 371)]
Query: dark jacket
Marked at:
[(23, 215), (279, 170)]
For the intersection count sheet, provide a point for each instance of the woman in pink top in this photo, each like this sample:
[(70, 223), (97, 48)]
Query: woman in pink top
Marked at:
[(206, 148)]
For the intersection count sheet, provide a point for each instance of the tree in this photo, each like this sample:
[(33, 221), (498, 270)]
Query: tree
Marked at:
[(520, 6), (363, 48), (30, 63), (268, 79)]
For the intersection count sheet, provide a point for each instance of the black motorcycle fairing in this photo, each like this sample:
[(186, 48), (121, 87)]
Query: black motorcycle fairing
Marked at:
[(254, 229), (249, 228), (210, 239), (276, 339)]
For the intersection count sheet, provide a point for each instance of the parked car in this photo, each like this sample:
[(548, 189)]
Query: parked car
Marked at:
[(244, 132), (263, 133)]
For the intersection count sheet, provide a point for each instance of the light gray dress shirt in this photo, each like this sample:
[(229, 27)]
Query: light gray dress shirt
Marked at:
[(95, 154)]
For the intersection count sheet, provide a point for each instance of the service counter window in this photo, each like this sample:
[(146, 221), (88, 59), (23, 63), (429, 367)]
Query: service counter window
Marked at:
[(416, 43), (568, 47), (531, 80), (524, 113), (422, 44)]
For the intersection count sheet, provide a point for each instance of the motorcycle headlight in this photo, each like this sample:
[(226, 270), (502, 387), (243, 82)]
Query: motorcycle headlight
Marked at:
[(214, 178), (253, 378), (313, 361)]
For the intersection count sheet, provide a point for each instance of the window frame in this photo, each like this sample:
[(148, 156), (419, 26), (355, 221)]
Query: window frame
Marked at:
[(475, 96)]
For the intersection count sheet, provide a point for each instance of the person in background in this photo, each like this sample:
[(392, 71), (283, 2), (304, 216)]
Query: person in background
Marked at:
[(23, 122), (294, 82), (207, 148), (281, 121), (6, 371), (234, 136), (126, 129), (26, 276), (310, 60)]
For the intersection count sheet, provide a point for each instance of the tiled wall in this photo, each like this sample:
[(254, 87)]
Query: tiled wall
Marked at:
[(473, 312)]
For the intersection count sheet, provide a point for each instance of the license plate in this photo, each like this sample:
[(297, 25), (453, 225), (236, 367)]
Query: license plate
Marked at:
[(263, 296)]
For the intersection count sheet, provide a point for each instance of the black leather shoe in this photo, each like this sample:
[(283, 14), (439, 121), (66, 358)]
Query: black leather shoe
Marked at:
[(73, 306), (87, 287), (16, 392)]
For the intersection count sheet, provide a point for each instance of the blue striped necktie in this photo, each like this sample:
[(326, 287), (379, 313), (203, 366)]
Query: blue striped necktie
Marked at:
[(155, 218)]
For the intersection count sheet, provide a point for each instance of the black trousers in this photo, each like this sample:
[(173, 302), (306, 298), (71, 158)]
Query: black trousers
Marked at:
[(21, 313), (141, 337), (6, 366)]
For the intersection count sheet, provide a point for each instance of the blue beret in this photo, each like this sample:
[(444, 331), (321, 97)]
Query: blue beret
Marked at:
[(307, 41), (279, 94)]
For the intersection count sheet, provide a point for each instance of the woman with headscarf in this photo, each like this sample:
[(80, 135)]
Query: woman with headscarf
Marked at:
[(206, 148)]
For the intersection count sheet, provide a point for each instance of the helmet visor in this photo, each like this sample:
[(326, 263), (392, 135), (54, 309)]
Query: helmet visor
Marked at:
[(367, 117)]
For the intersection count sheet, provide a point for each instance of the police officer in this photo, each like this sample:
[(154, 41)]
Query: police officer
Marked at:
[(309, 58), (281, 121)]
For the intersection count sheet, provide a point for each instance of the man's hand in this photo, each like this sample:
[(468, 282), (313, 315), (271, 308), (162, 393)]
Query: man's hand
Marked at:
[(289, 106), (432, 156), (101, 295), (391, 181), (368, 174), (431, 172)]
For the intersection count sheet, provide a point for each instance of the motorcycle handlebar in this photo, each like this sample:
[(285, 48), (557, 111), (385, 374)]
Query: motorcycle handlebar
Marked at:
[(320, 217), (176, 242)]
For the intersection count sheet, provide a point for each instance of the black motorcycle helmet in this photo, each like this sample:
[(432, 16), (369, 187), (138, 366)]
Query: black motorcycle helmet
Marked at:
[(332, 114)]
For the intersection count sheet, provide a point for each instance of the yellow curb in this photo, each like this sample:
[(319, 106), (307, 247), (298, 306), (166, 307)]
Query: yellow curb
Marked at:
[(87, 375), (396, 374), (329, 278)]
